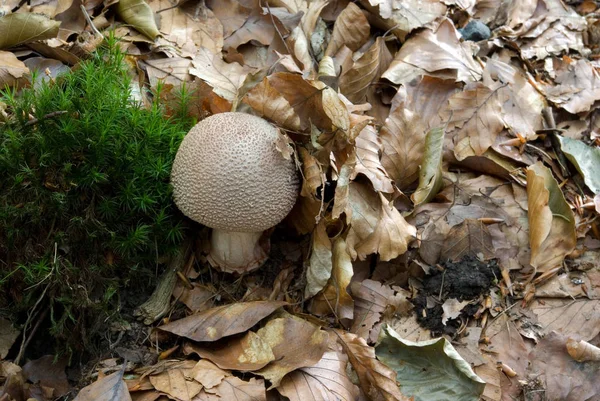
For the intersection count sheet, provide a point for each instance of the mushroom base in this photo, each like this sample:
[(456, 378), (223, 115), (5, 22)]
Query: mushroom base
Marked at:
[(237, 252)]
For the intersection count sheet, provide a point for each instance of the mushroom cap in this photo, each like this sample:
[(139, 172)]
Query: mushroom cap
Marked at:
[(228, 174)]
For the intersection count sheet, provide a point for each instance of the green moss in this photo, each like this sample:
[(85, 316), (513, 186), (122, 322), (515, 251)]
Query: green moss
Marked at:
[(85, 199)]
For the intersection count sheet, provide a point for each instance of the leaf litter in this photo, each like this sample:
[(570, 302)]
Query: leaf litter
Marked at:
[(446, 193)]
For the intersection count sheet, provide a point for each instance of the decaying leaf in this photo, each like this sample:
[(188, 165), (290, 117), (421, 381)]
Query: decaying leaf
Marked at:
[(208, 374), (585, 158), (377, 380), (20, 28), (222, 321), (430, 176), (175, 382), (551, 222), (320, 262), (368, 163), (351, 29), (271, 104), (109, 388), (138, 14), (324, 381), (471, 237), (447, 372), (8, 335)]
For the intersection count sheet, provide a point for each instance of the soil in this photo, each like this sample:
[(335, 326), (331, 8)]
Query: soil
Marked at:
[(465, 280)]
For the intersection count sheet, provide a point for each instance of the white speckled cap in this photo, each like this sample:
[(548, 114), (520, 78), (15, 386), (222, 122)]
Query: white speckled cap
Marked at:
[(229, 175)]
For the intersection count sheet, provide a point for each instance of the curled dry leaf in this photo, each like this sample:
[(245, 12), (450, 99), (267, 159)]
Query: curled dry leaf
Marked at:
[(335, 109), (208, 374), (269, 103), (351, 29), (247, 353), (430, 176), (175, 382), (233, 388), (20, 28), (403, 16), (582, 351), (222, 321), (138, 14), (324, 381), (335, 298), (109, 388), (376, 379), (312, 172), (476, 116), (403, 143), (226, 79), (295, 342), (435, 53), (376, 226), (320, 262), (551, 221), (368, 148), (355, 82), (577, 87)]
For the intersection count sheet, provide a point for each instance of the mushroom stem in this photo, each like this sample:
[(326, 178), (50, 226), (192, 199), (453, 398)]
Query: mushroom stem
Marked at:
[(237, 252)]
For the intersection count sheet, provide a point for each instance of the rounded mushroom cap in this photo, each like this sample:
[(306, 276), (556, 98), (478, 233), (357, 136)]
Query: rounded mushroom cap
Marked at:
[(229, 175)]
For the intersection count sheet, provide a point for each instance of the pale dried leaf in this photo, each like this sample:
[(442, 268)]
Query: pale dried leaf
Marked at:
[(324, 381), (173, 71), (452, 309), (312, 173), (375, 225), (431, 52), (355, 82), (430, 176), (226, 79), (368, 163), (351, 29), (233, 388), (579, 319), (295, 342), (577, 87), (300, 46), (403, 144), (20, 28), (109, 388), (222, 321), (377, 380), (138, 14), (271, 104), (247, 353), (335, 109), (551, 222), (469, 238), (208, 374), (320, 263), (582, 351), (258, 27), (175, 383), (230, 13)]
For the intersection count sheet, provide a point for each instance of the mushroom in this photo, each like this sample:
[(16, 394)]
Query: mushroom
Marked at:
[(229, 175)]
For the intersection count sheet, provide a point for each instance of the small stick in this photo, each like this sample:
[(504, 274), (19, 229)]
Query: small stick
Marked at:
[(49, 115), (562, 160), (89, 21)]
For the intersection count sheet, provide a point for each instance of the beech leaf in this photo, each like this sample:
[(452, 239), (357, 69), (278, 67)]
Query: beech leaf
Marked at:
[(430, 177), (20, 28), (138, 14), (109, 388)]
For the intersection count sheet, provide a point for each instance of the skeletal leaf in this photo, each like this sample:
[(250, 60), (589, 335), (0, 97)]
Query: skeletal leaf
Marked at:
[(20, 28), (138, 14)]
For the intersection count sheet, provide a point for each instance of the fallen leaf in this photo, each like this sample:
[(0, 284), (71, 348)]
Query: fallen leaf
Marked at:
[(258, 27), (452, 309), (431, 52), (376, 379), (208, 374), (295, 342), (551, 222), (577, 87), (585, 158), (108, 388), (351, 29), (271, 104), (47, 372), (222, 321), (368, 163), (233, 388), (8, 336), (469, 238), (138, 14), (324, 381), (230, 13), (175, 383), (320, 261), (20, 28), (430, 175), (582, 351), (447, 372), (579, 319)]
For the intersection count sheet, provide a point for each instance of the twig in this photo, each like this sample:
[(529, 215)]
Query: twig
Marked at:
[(89, 21), (562, 160), (49, 115)]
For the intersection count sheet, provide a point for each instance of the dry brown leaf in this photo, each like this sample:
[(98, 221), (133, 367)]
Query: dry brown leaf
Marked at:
[(138, 14), (579, 319), (471, 237), (189, 33), (175, 382), (577, 87), (403, 16), (375, 225), (433, 53), (300, 47), (269, 103), (320, 262), (108, 388), (476, 115), (295, 342), (452, 309), (47, 372), (247, 353), (551, 222), (582, 351), (371, 301), (324, 381), (8, 336), (208, 374), (226, 79), (197, 299), (222, 321), (355, 82), (147, 396), (490, 373), (172, 71), (351, 29), (233, 388), (50, 8), (258, 27), (312, 171), (376, 379), (336, 110), (368, 163), (403, 143), (335, 298), (230, 13), (20, 28)]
